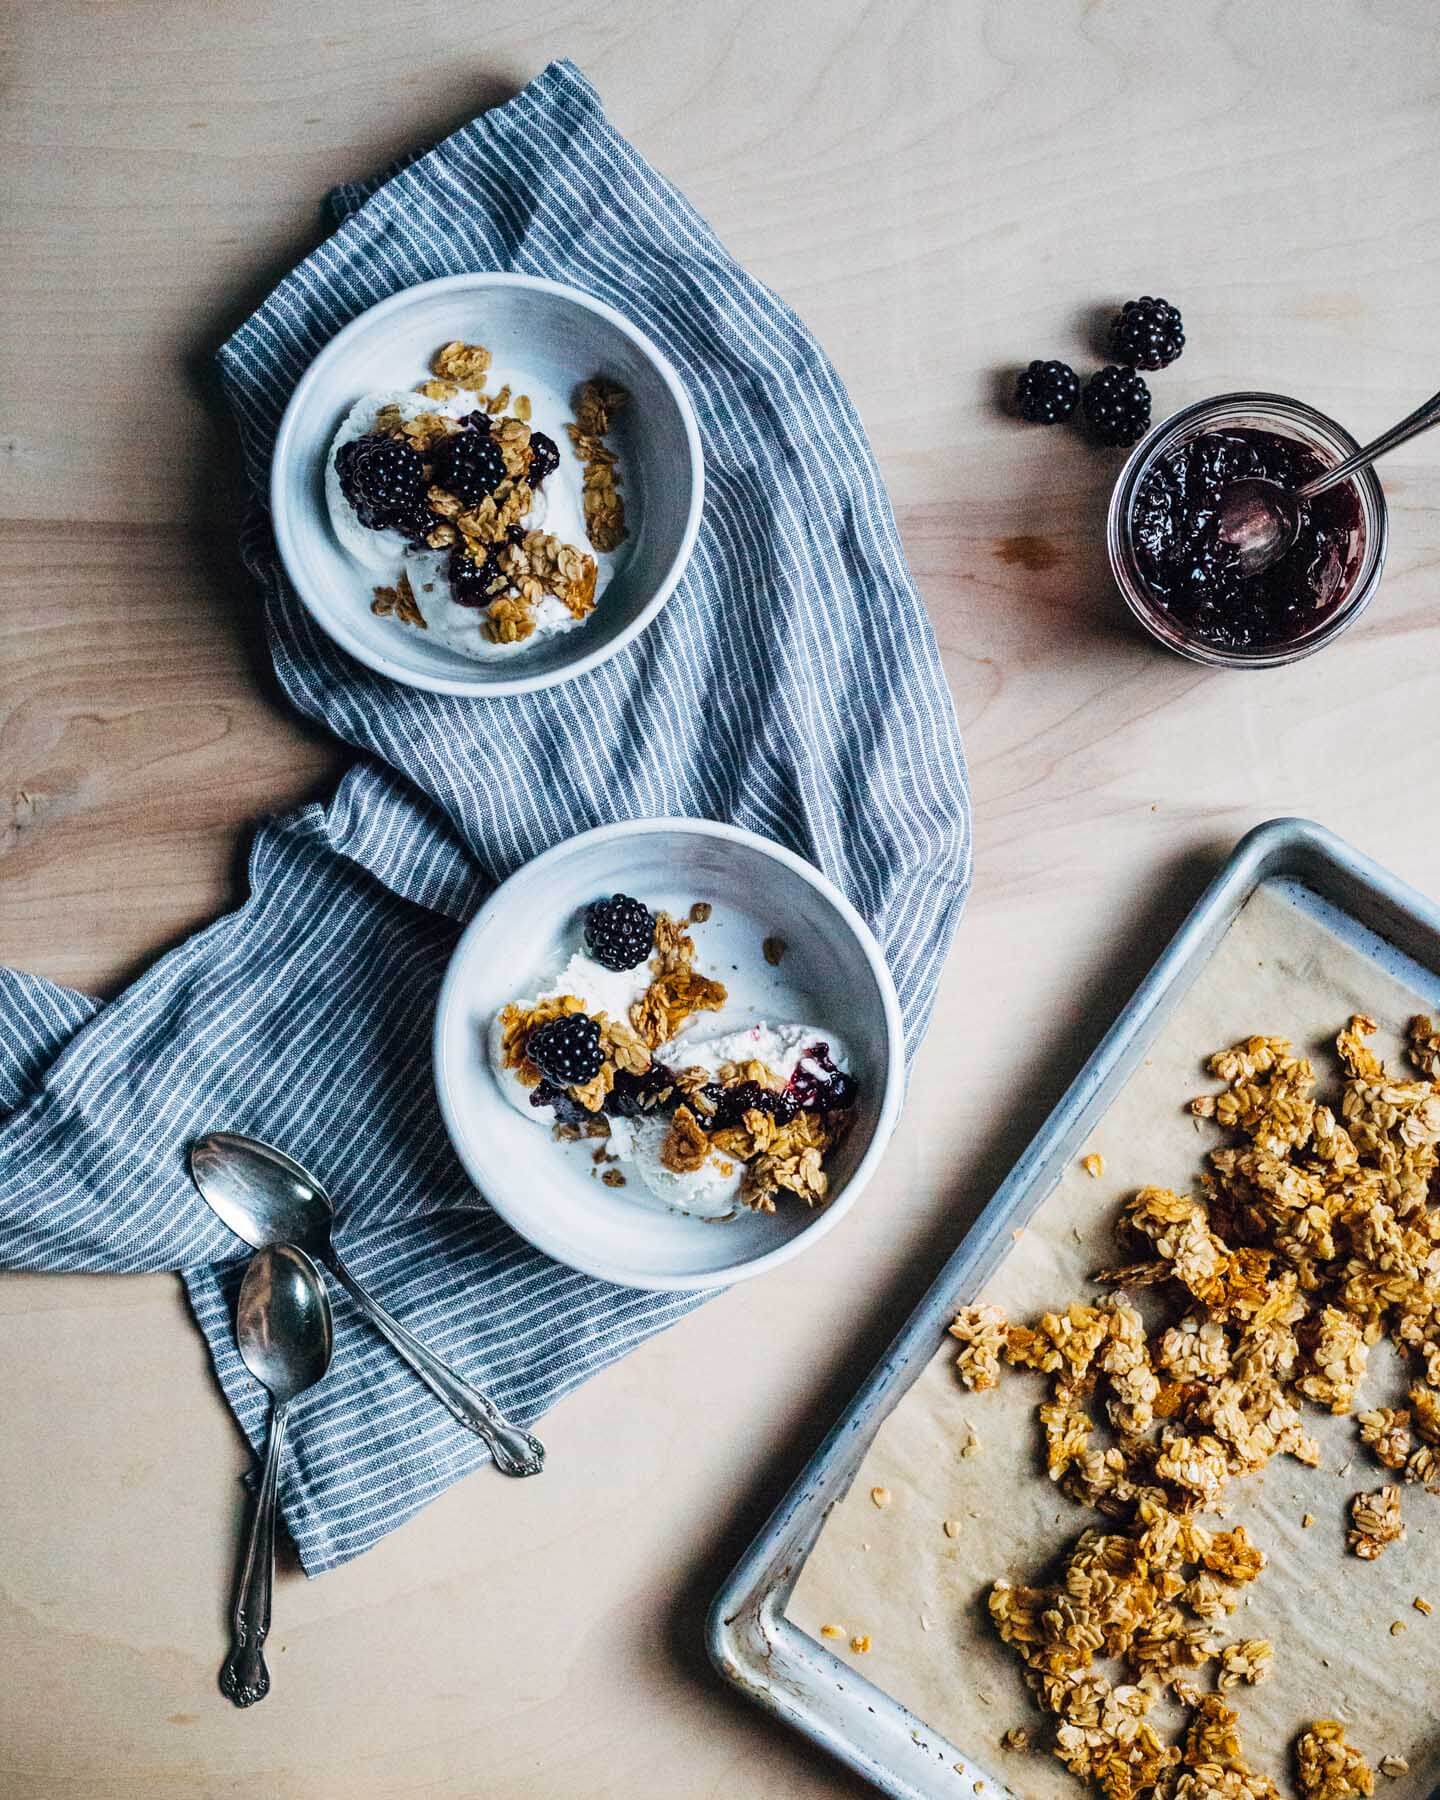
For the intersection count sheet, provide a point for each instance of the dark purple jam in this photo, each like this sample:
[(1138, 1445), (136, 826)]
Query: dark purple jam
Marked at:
[(1194, 578)]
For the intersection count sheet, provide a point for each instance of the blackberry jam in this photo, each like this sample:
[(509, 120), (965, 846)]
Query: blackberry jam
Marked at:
[(1195, 576), (1183, 584)]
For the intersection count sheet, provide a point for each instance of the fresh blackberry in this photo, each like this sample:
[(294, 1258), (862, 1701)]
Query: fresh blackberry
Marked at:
[(567, 1111), (468, 464), (566, 1050), (384, 480), (1047, 392), (1117, 406), (1147, 333), (544, 458), (619, 932), (470, 581)]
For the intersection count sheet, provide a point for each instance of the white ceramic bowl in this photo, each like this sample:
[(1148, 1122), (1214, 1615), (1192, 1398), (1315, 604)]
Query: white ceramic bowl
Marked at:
[(562, 337), (832, 975)]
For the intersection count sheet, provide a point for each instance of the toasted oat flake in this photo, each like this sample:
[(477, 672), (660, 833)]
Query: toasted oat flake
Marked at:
[(860, 1643), (1422, 1605), (700, 912), (1093, 1165), (881, 1496), (952, 1528), (1016, 1738), (1393, 1766), (832, 1631), (1397, 1626)]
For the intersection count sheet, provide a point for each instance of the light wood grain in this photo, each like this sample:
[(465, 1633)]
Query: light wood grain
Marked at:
[(943, 190)]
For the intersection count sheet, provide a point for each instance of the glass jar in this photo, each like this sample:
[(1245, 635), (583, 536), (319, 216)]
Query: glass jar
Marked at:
[(1285, 418)]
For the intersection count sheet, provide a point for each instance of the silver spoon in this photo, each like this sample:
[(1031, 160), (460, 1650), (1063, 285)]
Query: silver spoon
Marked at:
[(266, 1197), (1260, 520), (283, 1328)]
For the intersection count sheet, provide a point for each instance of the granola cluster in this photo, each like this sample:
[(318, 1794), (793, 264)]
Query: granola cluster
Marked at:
[(1311, 1238), (678, 990), (509, 570), (596, 404)]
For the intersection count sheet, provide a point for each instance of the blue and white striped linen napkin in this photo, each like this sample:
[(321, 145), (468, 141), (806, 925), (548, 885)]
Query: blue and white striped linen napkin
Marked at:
[(792, 685)]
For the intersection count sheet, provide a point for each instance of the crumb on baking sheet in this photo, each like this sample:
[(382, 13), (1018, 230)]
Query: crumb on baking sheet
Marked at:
[(832, 1631), (1422, 1605), (881, 1496), (773, 950), (860, 1643), (1093, 1165)]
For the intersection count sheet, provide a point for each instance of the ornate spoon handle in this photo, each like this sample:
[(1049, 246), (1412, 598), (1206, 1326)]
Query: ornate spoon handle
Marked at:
[(515, 1451), (244, 1677)]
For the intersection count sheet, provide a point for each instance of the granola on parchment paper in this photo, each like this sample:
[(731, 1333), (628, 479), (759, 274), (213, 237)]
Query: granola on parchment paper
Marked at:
[(1310, 1238)]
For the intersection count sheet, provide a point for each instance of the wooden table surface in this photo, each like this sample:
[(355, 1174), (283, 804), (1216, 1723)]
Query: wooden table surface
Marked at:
[(943, 189)]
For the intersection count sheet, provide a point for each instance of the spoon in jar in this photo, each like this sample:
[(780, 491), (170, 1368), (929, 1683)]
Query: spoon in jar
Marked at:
[(266, 1197), (285, 1335), (1260, 520)]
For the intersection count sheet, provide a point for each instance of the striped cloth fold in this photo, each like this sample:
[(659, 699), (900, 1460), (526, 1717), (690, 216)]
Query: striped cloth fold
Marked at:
[(792, 685)]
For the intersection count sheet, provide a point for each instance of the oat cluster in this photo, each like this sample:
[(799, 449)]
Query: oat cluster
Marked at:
[(520, 568), (1310, 1239), (596, 404)]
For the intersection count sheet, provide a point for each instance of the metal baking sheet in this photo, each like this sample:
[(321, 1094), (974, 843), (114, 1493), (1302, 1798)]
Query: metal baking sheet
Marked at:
[(750, 1640)]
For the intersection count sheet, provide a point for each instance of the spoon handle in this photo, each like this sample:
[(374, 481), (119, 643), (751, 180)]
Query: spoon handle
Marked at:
[(515, 1451), (1420, 420), (244, 1677)]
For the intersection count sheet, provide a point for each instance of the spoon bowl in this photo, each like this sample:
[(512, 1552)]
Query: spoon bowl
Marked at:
[(1259, 520), (283, 1325)]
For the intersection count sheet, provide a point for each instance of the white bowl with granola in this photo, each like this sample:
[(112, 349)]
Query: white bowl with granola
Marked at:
[(668, 1052), (486, 484)]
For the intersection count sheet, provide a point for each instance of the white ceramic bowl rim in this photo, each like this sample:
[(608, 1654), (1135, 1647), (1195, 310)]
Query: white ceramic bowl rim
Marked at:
[(829, 1216), (490, 686)]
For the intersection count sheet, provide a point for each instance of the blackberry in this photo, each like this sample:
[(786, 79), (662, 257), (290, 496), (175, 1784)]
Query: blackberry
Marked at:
[(384, 480), (1047, 392), (544, 458), (471, 581), (566, 1050), (619, 932), (468, 464), (1117, 406), (1147, 333)]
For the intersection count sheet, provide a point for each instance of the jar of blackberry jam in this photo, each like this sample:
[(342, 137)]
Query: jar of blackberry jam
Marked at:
[(1181, 582)]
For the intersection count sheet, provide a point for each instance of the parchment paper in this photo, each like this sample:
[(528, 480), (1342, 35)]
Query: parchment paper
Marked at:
[(892, 1572)]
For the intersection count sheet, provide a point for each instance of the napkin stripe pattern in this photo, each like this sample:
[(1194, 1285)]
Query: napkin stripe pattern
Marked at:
[(792, 684)]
